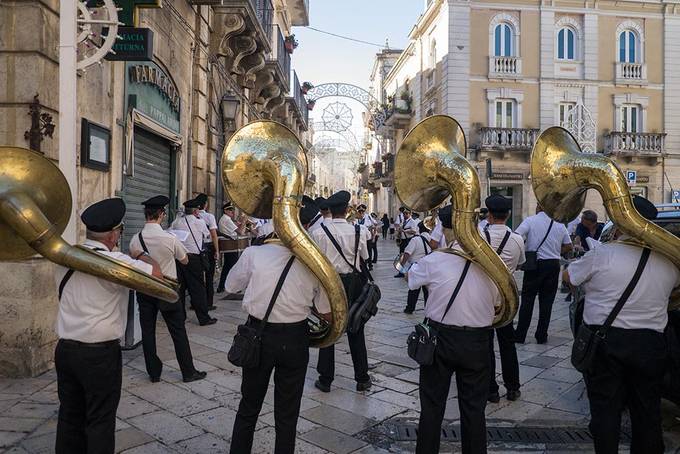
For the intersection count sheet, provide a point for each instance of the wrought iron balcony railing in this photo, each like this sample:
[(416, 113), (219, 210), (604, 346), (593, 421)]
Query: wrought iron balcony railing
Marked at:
[(505, 67), (617, 142), (299, 100), (508, 139), (280, 55)]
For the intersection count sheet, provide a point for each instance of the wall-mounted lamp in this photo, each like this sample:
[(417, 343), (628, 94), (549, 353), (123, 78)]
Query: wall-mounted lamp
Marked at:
[(230, 105)]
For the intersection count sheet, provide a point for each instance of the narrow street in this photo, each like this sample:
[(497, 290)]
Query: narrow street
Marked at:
[(173, 417)]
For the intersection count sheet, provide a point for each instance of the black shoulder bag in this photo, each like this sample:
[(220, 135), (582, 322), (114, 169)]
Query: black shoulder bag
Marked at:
[(245, 349), (531, 262), (422, 342), (588, 340), (363, 293), (205, 259)]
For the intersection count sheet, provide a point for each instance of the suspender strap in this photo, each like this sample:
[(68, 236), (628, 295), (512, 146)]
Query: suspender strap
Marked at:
[(626, 293), (316, 218), (425, 246), (141, 241), (275, 295), (503, 243), (457, 289), (339, 249), (546, 236), (68, 275)]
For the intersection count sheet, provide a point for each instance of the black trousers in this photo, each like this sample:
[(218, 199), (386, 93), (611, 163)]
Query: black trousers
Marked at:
[(229, 259), (509, 362), (372, 250), (285, 350), (174, 319), (88, 383), (412, 298), (384, 232), (542, 282), (193, 280), (209, 277), (357, 348), (627, 373), (464, 352)]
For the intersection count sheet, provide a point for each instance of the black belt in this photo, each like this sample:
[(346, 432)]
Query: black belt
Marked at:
[(253, 321), (442, 326), (548, 260), (75, 343)]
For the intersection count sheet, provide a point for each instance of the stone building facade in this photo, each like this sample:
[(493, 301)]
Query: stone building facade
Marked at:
[(215, 67)]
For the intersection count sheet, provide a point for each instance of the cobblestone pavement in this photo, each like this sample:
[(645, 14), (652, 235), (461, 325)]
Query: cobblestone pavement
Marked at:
[(173, 417)]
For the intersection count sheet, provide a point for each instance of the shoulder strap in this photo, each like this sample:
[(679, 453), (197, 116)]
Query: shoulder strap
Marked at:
[(275, 295), (357, 233), (457, 289), (69, 274), (503, 242), (141, 241), (192, 235), (626, 293), (339, 249), (425, 246), (546, 235)]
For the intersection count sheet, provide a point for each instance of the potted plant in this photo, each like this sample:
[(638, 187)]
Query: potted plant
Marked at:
[(310, 104), (291, 43), (306, 86), (403, 104)]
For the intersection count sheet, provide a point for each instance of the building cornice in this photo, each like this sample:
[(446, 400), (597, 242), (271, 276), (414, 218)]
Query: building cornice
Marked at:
[(655, 10), (405, 55)]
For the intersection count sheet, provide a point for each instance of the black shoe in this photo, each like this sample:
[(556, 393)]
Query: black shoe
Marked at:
[(494, 398), (408, 311), (568, 298), (399, 275), (219, 290), (513, 394), (197, 375), (211, 321), (375, 261), (364, 386), (322, 386), (212, 308), (542, 340), (155, 379)]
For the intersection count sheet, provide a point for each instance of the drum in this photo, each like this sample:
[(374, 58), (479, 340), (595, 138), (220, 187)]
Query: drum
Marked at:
[(237, 245)]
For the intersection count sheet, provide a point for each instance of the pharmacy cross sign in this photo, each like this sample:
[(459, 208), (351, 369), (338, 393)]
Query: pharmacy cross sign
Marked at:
[(129, 15)]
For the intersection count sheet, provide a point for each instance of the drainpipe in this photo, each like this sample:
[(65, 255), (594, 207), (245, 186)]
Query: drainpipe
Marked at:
[(191, 123)]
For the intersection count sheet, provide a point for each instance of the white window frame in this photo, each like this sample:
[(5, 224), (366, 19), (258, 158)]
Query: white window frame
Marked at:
[(631, 118), (511, 21), (637, 30), (565, 44), (563, 109), (631, 100), (507, 109), (505, 94)]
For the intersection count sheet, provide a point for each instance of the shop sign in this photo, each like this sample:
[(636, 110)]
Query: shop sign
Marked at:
[(507, 176), (133, 43), (643, 178), (152, 92)]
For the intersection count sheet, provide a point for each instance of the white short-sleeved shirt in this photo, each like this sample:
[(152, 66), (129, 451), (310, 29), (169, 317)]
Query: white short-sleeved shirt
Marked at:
[(606, 271), (193, 225), (409, 228), (257, 271), (92, 309), (417, 249), (344, 234), (533, 230), (163, 247), (209, 219), (440, 273), (571, 227), (228, 227), (438, 235), (316, 223), (513, 251)]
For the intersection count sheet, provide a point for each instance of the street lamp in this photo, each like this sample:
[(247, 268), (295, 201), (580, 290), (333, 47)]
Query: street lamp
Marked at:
[(230, 105)]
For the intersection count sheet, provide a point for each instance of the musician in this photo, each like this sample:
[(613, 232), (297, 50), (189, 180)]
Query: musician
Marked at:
[(462, 344), (211, 245), (230, 229), (511, 246), (437, 238), (319, 217), (628, 369), (416, 249), (551, 240), (367, 221), (165, 248), (408, 229), (343, 261), (193, 273), (91, 320), (285, 342), (587, 228)]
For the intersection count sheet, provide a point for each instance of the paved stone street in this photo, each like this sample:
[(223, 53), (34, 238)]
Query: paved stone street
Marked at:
[(173, 417)]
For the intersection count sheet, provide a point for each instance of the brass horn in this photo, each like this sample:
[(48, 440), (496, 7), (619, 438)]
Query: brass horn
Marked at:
[(436, 147), (561, 175), (264, 172), (35, 206)]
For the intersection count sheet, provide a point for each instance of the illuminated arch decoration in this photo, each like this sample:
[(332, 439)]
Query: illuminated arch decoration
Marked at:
[(353, 92)]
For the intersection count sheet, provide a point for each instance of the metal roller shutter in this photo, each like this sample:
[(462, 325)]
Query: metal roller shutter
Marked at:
[(152, 176)]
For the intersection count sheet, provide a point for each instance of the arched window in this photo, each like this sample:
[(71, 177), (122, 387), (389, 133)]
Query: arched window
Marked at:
[(629, 47), (566, 44), (433, 53), (503, 40)]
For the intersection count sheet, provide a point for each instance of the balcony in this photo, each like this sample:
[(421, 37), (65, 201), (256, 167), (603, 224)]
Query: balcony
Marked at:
[(299, 12), (505, 67), (298, 104), (630, 144), (507, 139), (631, 73), (279, 58)]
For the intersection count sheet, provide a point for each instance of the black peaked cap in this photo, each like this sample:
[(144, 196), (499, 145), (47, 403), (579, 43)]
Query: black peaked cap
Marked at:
[(105, 215)]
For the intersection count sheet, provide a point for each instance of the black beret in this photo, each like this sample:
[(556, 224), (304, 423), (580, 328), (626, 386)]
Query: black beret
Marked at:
[(445, 217), (339, 199), (191, 203), (308, 210), (321, 202), (201, 198), (158, 201), (645, 207), (104, 215), (498, 204)]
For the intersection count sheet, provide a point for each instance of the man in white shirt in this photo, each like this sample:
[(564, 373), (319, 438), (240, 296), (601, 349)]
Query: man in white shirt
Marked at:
[(285, 342), (345, 235), (628, 369), (229, 229), (319, 217), (510, 247), (165, 248), (193, 273), (408, 229), (211, 245), (415, 250), (367, 221), (550, 240), (462, 344), (91, 320)]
